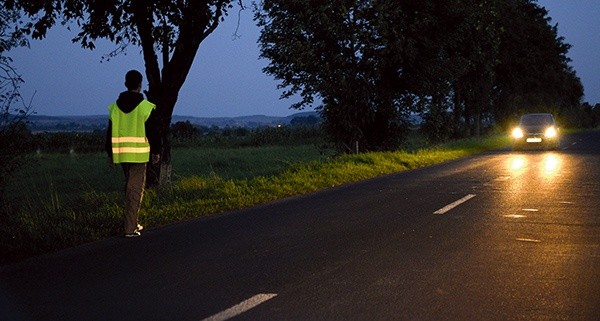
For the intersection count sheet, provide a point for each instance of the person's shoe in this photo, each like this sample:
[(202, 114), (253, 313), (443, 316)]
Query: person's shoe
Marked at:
[(132, 234), (139, 227)]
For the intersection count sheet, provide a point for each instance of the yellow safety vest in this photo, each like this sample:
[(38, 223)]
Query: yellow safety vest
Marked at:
[(129, 142)]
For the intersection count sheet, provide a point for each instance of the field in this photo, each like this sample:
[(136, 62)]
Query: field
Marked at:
[(64, 200)]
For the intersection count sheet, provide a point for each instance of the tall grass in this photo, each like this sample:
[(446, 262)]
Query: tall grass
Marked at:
[(67, 200)]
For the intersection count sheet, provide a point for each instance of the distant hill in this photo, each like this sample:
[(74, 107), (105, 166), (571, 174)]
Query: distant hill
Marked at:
[(242, 121), (39, 123)]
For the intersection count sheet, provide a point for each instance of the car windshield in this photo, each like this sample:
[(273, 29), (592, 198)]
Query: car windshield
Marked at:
[(541, 119)]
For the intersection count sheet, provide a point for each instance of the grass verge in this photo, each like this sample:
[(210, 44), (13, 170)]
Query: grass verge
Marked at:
[(73, 207)]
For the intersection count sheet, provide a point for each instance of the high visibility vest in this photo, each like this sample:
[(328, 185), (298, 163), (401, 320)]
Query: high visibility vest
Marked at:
[(129, 142)]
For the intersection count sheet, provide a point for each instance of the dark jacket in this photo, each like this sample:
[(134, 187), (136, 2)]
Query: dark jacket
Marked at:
[(127, 102)]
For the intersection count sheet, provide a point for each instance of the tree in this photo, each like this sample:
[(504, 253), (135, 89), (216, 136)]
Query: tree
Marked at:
[(13, 111), (455, 46), (168, 32), (333, 51), (533, 73)]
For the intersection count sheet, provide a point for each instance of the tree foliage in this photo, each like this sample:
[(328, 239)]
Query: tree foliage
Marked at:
[(340, 52), (533, 72), (461, 64), (169, 33), (13, 111)]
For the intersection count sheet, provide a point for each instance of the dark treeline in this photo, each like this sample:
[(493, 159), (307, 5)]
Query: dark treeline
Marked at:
[(463, 65), (186, 134)]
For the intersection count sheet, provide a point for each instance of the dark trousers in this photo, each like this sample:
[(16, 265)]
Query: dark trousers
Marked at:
[(135, 179)]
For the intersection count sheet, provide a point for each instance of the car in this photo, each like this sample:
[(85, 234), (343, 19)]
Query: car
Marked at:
[(536, 130)]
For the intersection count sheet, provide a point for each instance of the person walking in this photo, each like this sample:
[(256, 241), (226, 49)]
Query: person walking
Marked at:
[(132, 138)]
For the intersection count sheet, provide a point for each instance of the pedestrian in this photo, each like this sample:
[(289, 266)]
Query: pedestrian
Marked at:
[(132, 138)]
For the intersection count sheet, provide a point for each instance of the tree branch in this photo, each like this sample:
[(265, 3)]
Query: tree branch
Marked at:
[(142, 13)]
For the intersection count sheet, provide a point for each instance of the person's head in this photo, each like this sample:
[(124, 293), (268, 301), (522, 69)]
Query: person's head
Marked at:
[(133, 80)]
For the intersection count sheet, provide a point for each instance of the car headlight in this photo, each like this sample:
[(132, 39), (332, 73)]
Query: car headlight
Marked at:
[(517, 133), (550, 132)]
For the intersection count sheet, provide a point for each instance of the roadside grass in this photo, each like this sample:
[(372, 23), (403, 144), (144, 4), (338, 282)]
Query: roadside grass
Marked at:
[(64, 200), (240, 163)]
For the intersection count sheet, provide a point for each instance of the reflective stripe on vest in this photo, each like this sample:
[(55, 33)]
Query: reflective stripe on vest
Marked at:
[(129, 142), (130, 145), (138, 150)]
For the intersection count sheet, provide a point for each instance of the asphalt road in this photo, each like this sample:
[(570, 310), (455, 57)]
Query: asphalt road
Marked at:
[(499, 236)]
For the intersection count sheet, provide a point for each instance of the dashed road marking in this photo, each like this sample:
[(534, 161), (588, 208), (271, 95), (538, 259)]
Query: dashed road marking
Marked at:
[(241, 307), (450, 206), (528, 240), (515, 216)]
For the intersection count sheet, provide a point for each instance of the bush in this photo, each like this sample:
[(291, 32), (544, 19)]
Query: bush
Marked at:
[(15, 146)]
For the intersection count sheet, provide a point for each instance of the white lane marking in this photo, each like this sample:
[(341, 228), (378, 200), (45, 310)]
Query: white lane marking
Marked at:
[(515, 216), (528, 240), (567, 147), (448, 207), (531, 210), (241, 307)]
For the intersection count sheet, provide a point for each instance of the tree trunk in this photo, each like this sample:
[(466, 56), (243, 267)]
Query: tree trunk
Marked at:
[(164, 177), (160, 174)]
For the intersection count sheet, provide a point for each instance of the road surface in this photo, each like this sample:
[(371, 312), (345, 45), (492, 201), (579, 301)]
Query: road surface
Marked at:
[(498, 236)]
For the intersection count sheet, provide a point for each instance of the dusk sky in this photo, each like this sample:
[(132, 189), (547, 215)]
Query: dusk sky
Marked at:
[(226, 79)]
